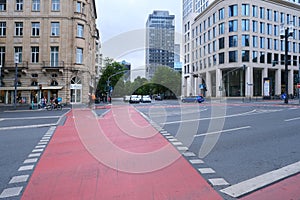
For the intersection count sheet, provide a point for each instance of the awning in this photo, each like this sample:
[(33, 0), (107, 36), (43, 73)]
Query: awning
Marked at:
[(19, 88)]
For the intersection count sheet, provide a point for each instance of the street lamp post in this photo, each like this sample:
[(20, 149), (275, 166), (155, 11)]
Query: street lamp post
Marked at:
[(16, 79), (0, 75), (285, 33)]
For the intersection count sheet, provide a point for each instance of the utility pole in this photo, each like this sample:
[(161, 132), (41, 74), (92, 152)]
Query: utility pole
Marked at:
[(16, 79), (285, 33)]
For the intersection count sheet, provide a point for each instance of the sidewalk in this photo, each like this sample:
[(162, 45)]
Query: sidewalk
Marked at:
[(120, 156)]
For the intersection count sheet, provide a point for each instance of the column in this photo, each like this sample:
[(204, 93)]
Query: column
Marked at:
[(291, 81), (264, 75), (278, 82), (208, 84), (219, 83), (249, 82)]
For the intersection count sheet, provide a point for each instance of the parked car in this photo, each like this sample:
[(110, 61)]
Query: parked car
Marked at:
[(126, 98), (146, 99), (135, 99), (157, 98), (195, 99)]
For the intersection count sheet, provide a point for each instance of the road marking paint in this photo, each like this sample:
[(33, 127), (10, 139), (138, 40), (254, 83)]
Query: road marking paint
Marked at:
[(31, 160), (40, 146), (223, 131), (210, 118), (173, 140), (22, 118), (42, 143), (206, 171), (182, 148), (28, 126), (37, 150), (189, 154), (218, 181), (34, 155), (11, 192), (177, 143), (169, 137), (44, 140), (255, 183), (26, 167), (293, 119), (166, 134), (196, 161), (19, 179)]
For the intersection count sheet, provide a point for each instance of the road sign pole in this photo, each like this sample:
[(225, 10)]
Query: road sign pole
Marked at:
[(16, 79)]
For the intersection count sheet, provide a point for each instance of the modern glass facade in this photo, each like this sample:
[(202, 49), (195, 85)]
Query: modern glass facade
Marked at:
[(231, 48)]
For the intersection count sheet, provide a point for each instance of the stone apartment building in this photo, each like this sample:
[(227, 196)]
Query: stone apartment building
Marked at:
[(56, 44)]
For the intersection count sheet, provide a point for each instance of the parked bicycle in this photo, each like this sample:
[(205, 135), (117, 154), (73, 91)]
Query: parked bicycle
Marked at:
[(54, 106)]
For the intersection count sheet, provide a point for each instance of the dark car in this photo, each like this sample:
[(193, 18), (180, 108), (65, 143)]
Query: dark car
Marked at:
[(157, 98), (198, 99)]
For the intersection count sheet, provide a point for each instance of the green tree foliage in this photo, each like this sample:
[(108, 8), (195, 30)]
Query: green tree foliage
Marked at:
[(111, 71)]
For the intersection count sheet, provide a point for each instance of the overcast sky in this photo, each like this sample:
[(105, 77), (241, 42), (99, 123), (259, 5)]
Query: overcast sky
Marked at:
[(122, 23)]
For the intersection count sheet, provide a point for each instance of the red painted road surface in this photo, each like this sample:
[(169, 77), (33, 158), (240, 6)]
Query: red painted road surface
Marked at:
[(117, 157), (288, 189)]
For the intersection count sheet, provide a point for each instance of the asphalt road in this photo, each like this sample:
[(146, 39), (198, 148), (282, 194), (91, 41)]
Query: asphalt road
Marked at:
[(238, 141), (21, 131)]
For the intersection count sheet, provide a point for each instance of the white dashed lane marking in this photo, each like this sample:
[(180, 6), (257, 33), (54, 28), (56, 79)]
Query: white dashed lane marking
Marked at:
[(196, 161), (218, 181), (206, 171), (11, 192), (19, 179)]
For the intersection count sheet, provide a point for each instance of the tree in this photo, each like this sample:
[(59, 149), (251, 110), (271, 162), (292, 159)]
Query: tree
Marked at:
[(110, 71), (166, 80)]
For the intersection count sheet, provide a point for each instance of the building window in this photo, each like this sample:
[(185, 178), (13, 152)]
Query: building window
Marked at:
[(282, 15), (233, 26), (55, 29), (2, 29), (80, 30), (221, 28), (19, 5), (221, 43), (233, 56), (245, 25), (276, 30), (254, 11), (269, 43), (221, 58), (262, 42), (18, 50), (262, 57), (254, 41), (254, 26), (262, 13), (36, 4), (19, 29), (35, 54), (35, 28), (2, 5), (262, 27), (233, 41), (55, 5), (80, 8), (2, 55), (245, 56), (245, 9), (233, 10), (276, 16), (269, 29), (269, 58), (245, 40), (269, 14), (276, 44), (254, 56), (221, 13), (79, 56), (54, 56)]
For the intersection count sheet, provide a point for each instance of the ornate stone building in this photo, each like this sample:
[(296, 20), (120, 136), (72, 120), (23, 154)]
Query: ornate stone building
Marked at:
[(56, 44)]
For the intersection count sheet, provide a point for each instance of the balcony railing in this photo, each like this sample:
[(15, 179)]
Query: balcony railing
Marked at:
[(12, 65), (53, 65)]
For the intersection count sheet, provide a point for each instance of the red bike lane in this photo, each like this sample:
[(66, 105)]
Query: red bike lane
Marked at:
[(119, 156)]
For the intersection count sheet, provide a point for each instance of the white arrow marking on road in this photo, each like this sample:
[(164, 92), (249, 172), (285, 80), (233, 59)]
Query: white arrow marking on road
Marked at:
[(258, 182)]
